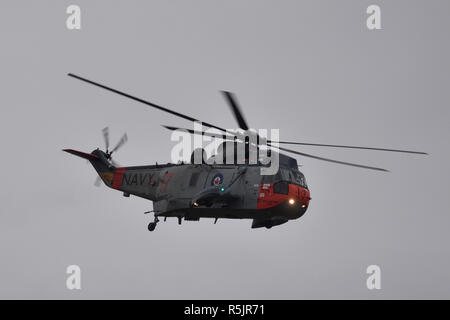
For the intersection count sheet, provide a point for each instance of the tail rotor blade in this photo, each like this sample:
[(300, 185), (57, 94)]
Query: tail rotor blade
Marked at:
[(120, 143), (98, 181), (106, 137)]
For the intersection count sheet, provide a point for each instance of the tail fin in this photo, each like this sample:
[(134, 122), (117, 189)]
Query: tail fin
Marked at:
[(88, 156), (98, 160)]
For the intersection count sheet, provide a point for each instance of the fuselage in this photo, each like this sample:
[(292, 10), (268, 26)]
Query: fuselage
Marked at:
[(194, 191)]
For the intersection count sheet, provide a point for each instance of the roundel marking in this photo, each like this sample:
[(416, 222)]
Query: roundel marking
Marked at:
[(217, 179)]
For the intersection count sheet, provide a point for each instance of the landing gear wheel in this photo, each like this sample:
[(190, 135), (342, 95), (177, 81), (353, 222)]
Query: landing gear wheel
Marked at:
[(151, 226)]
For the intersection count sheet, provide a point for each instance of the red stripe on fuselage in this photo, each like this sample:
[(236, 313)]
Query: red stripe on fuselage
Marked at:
[(267, 198), (117, 179)]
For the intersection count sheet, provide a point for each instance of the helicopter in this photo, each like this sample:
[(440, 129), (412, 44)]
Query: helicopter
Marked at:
[(215, 189)]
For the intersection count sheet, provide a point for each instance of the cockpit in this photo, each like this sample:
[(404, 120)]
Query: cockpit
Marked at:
[(287, 172)]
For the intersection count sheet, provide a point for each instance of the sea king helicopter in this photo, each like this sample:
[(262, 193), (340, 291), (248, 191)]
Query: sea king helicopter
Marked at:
[(215, 189)]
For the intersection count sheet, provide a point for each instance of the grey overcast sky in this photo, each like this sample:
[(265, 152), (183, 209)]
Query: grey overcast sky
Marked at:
[(310, 68)]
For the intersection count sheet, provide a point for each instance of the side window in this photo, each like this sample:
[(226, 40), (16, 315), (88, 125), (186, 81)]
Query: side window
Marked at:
[(272, 178), (194, 178), (281, 187), (286, 174), (301, 180), (278, 176), (267, 179), (296, 178)]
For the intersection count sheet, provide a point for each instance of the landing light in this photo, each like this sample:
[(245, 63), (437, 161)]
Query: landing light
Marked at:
[(195, 204), (291, 201), (303, 205)]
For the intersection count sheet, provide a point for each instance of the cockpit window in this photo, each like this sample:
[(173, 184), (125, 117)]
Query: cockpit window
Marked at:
[(281, 187), (271, 179), (289, 175), (298, 178)]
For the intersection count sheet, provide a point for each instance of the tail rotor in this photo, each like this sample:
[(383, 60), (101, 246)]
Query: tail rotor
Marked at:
[(108, 152), (119, 144)]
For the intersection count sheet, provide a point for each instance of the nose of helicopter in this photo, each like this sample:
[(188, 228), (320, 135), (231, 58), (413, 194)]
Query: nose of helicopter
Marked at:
[(300, 195), (293, 195)]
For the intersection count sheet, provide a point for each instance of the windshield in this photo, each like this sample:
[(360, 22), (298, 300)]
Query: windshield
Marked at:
[(285, 174)]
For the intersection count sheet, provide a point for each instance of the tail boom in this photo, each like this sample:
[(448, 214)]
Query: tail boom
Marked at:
[(88, 156)]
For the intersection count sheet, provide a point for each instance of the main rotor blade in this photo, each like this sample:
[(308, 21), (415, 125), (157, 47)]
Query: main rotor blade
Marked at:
[(209, 134), (106, 137), (329, 160), (232, 101), (348, 147), (229, 137), (144, 101), (120, 143)]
